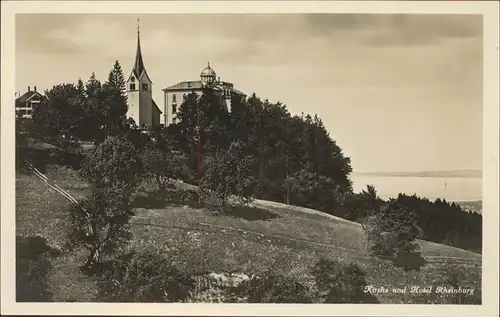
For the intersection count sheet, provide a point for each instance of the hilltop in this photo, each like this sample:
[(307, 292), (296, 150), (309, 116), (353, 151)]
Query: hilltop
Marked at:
[(432, 174), (250, 240)]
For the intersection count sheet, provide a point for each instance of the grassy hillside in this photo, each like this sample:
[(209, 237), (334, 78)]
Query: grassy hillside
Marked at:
[(250, 240)]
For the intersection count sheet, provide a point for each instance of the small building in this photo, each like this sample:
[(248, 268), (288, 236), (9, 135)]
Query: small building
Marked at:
[(25, 102), (141, 106), (174, 95)]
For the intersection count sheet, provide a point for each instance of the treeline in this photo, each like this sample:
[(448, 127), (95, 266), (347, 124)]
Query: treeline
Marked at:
[(88, 111), (440, 221), (288, 158), (446, 222)]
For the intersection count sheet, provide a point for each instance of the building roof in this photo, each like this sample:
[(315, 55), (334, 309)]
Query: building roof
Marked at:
[(236, 91), (26, 97), (225, 83), (197, 85), (157, 108), (185, 85), (208, 71)]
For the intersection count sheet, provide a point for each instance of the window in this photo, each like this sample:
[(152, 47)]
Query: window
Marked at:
[(174, 108), (174, 98), (132, 86), (144, 86)]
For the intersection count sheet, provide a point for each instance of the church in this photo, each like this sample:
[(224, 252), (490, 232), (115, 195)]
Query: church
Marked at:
[(139, 87)]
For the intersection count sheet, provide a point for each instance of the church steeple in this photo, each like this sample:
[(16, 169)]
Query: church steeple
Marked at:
[(141, 107), (139, 63)]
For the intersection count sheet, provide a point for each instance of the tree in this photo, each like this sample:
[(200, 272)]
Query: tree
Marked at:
[(358, 206), (105, 104), (314, 191), (189, 116), (269, 140), (117, 99), (201, 119), (97, 108), (143, 277), (93, 86), (135, 136), (80, 86), (320, 154), (392, 231), (165, 166), (60, 116), (226, 174), (115, 163), (100, 223), (117, 80)]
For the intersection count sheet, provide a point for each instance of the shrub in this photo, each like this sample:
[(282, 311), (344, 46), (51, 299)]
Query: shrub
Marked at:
[(165, 166), (456, 278), (216, 288), (228, 173), (143, 277), (33, 265), (340, 283), (392, 231), (114, 163)]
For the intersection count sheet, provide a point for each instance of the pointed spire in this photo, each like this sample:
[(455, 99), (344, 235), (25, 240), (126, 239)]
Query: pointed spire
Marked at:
[(139, 63)]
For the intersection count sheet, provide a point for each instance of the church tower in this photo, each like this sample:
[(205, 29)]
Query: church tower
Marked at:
[(139, 91)]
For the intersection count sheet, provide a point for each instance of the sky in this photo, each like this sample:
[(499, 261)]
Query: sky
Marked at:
[(396, 92)]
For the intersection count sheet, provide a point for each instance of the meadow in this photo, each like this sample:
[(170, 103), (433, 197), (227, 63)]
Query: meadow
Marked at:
[(249, 240)]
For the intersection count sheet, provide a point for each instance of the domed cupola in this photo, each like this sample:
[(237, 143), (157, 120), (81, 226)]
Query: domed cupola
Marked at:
[(208, 75)]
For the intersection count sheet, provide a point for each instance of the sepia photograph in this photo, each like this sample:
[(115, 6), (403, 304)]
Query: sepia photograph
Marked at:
[(216, 157)]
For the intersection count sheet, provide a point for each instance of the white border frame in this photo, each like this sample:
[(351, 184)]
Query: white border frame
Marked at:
[(490, 12)]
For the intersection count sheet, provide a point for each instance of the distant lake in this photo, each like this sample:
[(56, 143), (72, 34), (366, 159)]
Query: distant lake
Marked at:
[(456, 189)]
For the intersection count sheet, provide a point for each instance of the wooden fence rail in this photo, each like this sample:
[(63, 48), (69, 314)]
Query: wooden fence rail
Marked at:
[(66, 195)]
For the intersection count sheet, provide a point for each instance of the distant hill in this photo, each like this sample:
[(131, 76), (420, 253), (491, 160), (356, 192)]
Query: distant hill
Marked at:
[(476, 206), (435, 174)]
